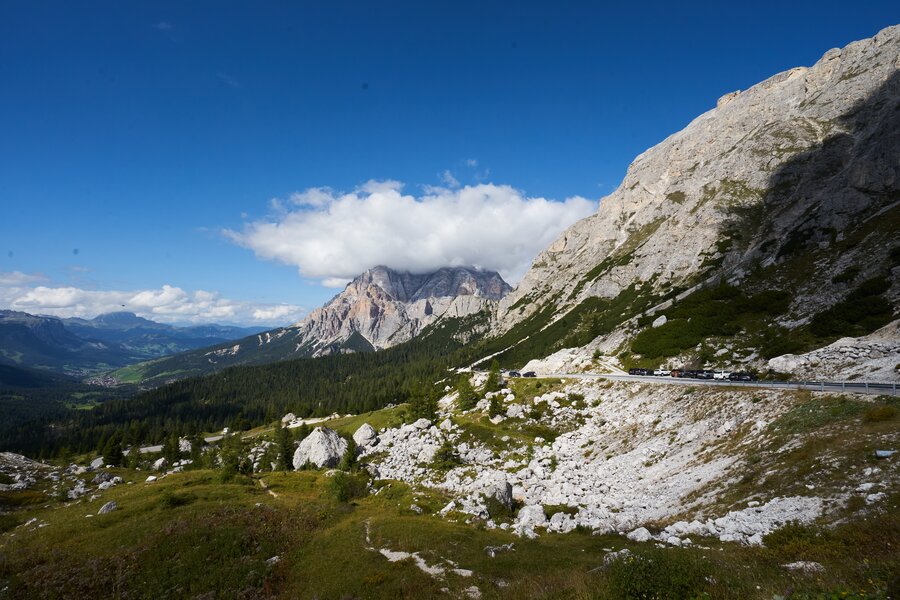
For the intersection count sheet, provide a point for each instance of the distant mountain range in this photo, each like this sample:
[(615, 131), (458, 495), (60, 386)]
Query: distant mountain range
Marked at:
[(381, 308), (83, 347)]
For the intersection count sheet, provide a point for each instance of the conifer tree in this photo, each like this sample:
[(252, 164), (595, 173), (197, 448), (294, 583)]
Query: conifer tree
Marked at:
[(112, 451), (348, 460), (285, 442), (468, 397), (494, 380)]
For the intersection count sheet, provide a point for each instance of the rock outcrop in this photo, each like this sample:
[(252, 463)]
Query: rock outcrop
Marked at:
[(791, 167), (321, 448), (874, 357), (623, 455)]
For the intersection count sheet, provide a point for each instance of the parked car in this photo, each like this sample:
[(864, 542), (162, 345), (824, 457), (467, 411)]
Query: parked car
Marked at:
[(705, 374), (677, 373), (529, 374), (662, 372), (514, 374), (742, 377), (721, 375)]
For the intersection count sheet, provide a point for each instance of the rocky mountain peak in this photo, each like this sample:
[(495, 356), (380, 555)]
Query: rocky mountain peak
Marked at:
[(385, 307)]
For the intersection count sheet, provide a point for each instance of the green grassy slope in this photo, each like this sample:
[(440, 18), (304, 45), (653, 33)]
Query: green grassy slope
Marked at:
[(191, 536)]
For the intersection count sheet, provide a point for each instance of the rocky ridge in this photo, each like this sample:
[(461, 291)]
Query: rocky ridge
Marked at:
[(788, 168)]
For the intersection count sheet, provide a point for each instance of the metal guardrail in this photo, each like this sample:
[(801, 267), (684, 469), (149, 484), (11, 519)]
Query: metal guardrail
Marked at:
[(855, 387)]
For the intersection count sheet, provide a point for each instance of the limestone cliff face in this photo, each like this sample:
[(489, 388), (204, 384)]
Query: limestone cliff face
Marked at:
[(386, 307), (797, 161)]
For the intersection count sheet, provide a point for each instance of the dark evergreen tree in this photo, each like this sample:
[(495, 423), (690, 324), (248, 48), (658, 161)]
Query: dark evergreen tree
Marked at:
[(112, 451), (496, 407), (348, 460), (494, 380), (468, 397), (284, 440)]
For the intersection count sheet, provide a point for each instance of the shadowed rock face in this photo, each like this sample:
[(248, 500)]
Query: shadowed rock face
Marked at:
[(383, 307), (796, 163), (403, 286)]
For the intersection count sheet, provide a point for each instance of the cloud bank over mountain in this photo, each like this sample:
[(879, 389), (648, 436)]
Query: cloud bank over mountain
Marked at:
[(166, 304), (332, 236)]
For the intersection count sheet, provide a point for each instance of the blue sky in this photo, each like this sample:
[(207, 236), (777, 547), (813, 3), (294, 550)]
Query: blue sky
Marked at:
[(142, 145)]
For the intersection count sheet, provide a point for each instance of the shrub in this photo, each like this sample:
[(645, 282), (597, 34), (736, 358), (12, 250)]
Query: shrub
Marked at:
[(446, 457), (717, 311), (862, 312), (658, 573), (169, 499), (552, 509), (798, 539), (895, 255), (881, 413), (498, 510), (846, 275), (575, 397), (778, 341), (344, 487)]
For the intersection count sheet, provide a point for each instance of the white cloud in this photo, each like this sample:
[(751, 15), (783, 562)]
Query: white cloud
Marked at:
[(333, 237), (167, 304), (276, 313), (19, 278), (335, 282), (449, 180), (164, 26)]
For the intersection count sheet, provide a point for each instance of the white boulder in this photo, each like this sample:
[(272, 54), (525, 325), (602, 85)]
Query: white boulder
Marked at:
[(496, 485), (641, 534), (365, 435), (321, 448), (530, 517)]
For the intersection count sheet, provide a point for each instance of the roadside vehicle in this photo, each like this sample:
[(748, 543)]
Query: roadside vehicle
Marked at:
[(514, 374), (721, 375), (677, 373), (742, 377), (529, 374), (661, 372), (705, 374)]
